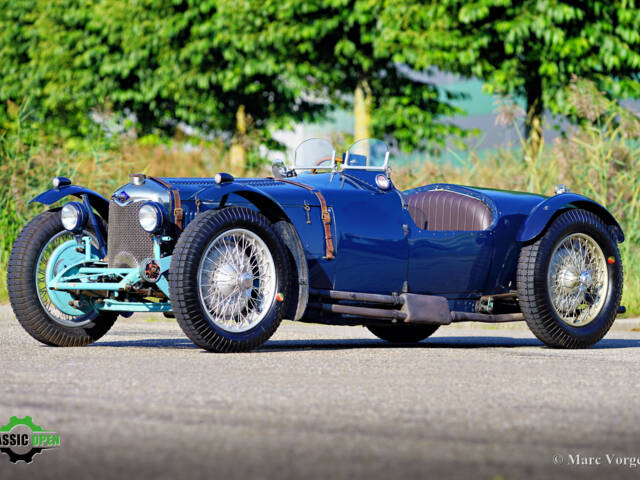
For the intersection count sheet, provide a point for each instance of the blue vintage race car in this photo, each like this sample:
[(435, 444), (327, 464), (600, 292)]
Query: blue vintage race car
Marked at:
[(328, 240)]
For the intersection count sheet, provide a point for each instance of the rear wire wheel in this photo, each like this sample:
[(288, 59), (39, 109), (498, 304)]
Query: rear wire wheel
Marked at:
[(570, 281)]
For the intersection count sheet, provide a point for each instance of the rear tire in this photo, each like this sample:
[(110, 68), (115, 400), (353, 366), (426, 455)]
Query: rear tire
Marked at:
[(570, 281), (402, 333), (229, 280), (28, 303)]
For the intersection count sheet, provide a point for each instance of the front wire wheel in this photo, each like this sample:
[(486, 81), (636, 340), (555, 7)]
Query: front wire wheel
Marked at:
[(41, 282), (237, 280), (570, 281), (28, 293), (229, 280)]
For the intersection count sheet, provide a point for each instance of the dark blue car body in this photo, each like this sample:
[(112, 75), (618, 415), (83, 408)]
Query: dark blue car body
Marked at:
[(378, 246)]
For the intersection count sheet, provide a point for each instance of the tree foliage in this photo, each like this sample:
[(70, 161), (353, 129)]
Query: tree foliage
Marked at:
[(223, 66), (204, 62), (162, 60), (530, 48), (329, 46)]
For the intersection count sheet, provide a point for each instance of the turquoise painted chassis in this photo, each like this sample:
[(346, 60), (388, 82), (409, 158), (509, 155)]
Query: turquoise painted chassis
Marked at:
[(85, 272)]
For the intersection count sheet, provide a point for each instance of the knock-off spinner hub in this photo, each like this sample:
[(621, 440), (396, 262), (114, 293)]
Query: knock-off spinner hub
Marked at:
[(568, 278), (226, 279), (245, 281), (586, 278)]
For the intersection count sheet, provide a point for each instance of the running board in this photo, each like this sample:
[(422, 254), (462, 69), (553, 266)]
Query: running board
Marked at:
[(402, 308)]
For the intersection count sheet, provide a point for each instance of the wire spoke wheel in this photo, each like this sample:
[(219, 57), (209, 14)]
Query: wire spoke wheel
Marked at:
[(41, 282), (229, 280), (578, 279), (41, 269), (35, 252), (570, 280), (237, 280)]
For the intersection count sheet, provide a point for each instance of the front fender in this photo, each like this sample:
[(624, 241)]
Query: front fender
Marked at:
[(97, 201), (542, 214), (284, 224)]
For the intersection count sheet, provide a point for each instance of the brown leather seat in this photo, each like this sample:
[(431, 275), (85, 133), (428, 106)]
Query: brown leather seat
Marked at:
[(445, 210)]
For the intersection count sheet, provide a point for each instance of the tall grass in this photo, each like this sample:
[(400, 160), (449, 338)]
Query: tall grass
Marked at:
[(598, 159)]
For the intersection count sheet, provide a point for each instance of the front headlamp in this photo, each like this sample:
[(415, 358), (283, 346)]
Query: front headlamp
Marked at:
[(152, 217), (74, 216)]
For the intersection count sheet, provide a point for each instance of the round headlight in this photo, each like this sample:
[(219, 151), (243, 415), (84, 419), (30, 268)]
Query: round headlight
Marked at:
[(151, 216), (73, 216)]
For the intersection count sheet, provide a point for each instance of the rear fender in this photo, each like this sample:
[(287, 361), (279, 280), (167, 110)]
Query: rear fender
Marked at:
[(543, 213), (97, 201)]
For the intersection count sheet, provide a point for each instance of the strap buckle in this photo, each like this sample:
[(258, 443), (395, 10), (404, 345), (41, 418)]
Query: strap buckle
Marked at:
[(326, 217), (178, 213)]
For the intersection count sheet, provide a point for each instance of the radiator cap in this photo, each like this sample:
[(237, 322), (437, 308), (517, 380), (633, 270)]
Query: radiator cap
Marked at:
[(138, 178)]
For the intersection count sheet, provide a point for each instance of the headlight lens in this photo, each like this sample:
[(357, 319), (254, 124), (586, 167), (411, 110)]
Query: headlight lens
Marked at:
[(151, 216), (73, 216)]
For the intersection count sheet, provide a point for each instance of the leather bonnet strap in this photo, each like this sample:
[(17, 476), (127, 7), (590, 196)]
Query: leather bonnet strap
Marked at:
[(178, 212), (325, 215)]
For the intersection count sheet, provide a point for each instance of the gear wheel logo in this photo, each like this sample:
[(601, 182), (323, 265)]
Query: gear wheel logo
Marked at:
[(21, 439)]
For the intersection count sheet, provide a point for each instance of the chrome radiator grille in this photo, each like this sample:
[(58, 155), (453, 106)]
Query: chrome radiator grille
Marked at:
[(128, 243)]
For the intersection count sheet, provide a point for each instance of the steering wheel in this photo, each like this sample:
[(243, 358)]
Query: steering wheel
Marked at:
[(323, 160)]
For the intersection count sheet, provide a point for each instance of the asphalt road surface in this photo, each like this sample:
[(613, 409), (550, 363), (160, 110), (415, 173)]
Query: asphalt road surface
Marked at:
[(326, 403)]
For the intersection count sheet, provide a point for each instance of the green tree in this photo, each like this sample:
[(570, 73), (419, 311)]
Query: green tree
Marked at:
[(530, 48), (162, 60), (16, 37), (328, 46)]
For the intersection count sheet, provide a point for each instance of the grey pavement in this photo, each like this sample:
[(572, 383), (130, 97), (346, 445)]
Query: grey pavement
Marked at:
[(325, 402)]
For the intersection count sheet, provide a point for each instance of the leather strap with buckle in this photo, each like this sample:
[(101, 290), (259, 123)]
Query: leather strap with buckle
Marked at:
[(325, 216), (178, 212)]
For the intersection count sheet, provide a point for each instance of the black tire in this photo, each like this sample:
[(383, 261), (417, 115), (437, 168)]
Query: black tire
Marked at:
[(533, 290), (185, 292), (402, 333), (26, 302)]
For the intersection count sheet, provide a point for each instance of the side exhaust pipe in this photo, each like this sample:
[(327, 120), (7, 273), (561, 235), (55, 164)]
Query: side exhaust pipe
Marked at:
[(405, 308)]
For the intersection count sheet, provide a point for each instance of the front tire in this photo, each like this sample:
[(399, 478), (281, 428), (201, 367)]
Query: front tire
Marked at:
[(28, 295), (229, 280), (402, 333), (570, 281)]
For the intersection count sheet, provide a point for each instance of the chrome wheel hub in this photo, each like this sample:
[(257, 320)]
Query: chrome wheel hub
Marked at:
[(237, 280), (224, 277), (244, 281), (578, 279), (568, 278)]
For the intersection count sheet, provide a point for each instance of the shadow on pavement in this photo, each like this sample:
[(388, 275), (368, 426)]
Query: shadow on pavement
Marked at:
[(148, 343), (462, 342)]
